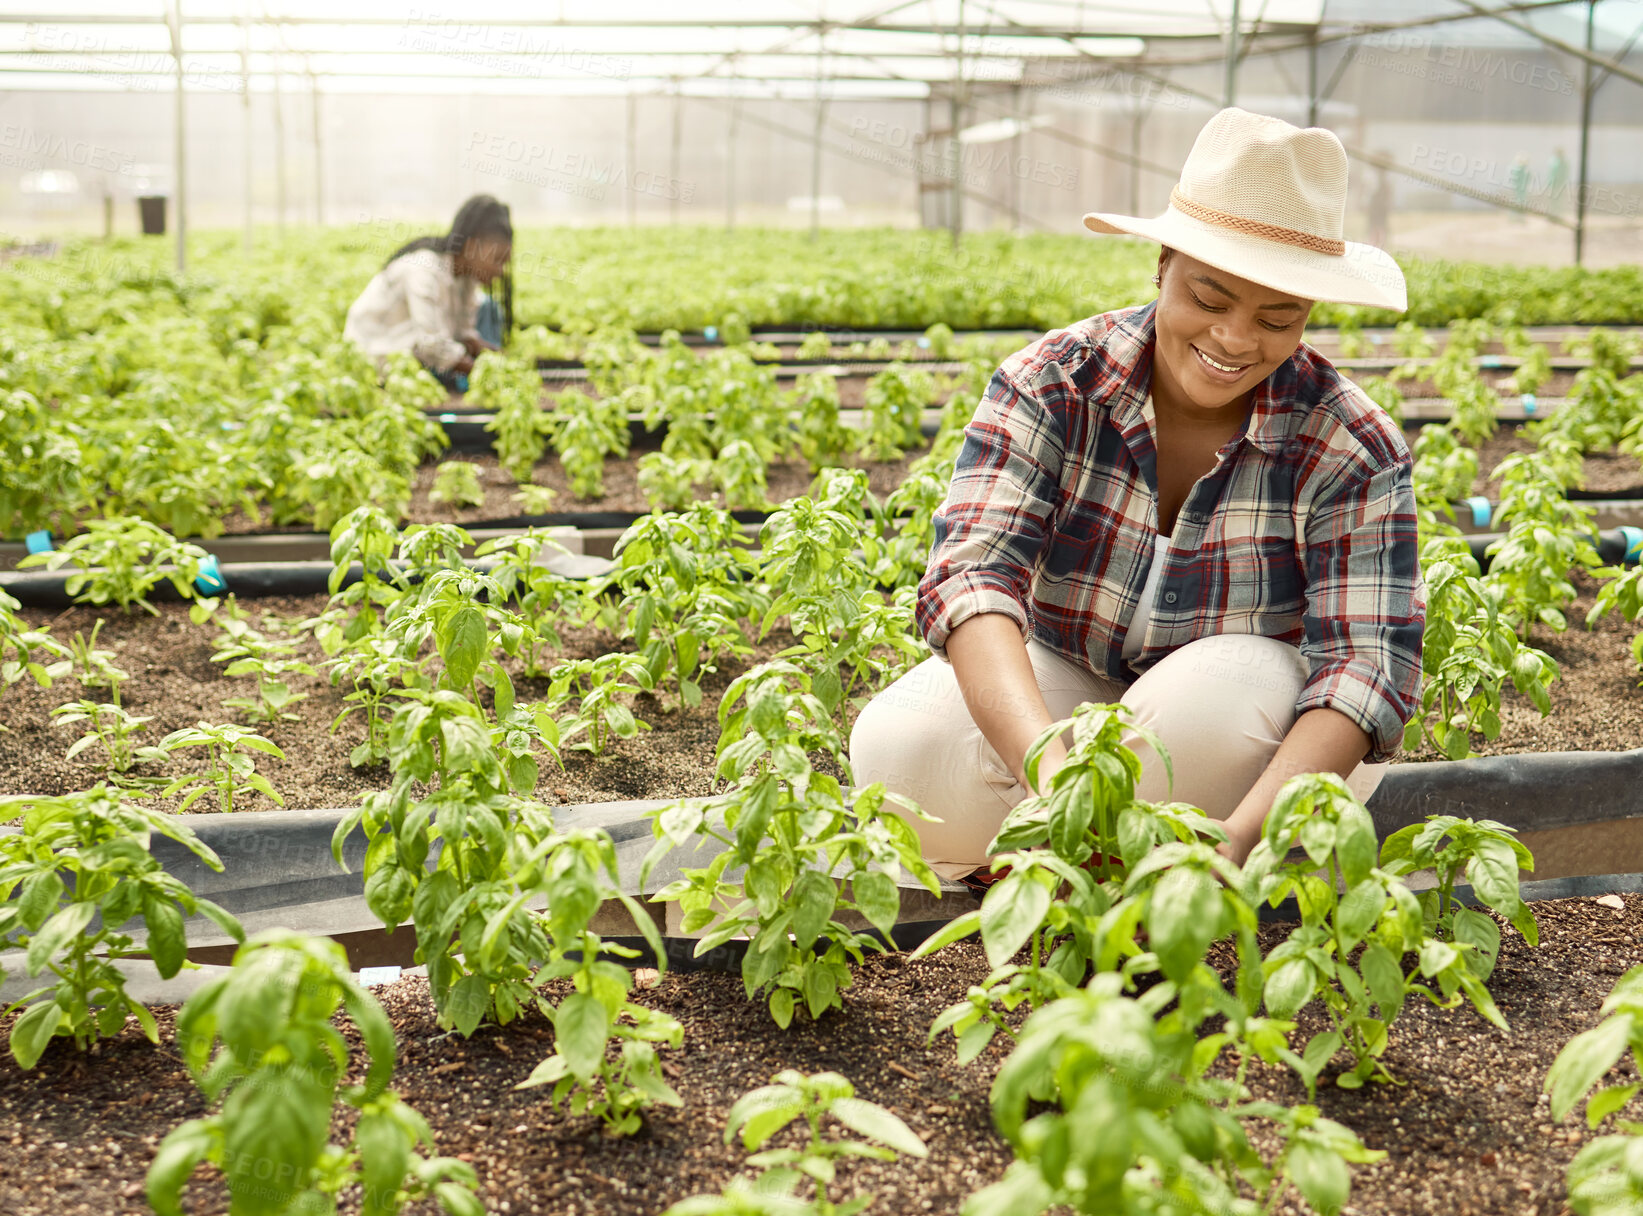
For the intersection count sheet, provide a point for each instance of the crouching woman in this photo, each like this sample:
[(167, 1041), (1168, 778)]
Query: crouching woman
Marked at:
[(1179, 507)]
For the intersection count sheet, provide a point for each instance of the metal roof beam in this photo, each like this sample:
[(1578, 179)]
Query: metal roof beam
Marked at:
[(1568, 48)]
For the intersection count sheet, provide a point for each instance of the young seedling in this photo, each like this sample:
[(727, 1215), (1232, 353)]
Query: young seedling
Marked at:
[(1488, 856), (599, 717), (534, 499), (278, 1074), (76, 859), (895, 402), (759, 1115), (31, 653), (512, 390), (1134, 1118), (1351, 903), (798, 837), (579, 869), (822, 438), (249, 653), (116, 731), (669, 482), (229, 770), (457, 482), (1606, 1176), (1468, 653), (121, 560)]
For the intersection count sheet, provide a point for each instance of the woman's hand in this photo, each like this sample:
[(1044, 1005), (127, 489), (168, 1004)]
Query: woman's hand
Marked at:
[(1320, 741), (1240, 842), (473, 346), (463, 365), (1001, 692)]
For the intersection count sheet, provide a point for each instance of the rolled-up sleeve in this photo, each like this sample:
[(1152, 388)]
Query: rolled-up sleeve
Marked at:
[(992, 527), (1365, 606)]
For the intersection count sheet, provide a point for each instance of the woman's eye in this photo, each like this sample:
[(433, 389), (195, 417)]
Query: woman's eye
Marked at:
[(1201, 304)]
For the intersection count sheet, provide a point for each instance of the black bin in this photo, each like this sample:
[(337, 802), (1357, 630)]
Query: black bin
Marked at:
[(152, 209)]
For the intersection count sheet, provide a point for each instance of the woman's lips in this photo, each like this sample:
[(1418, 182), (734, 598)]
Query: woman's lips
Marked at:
[(1215, 373)]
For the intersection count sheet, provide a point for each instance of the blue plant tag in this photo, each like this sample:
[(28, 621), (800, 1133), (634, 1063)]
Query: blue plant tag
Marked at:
[(210, 580), (1482, 509), (1529, 403), (711, 333), (1489, 361), (1634, 545), (38, 542)]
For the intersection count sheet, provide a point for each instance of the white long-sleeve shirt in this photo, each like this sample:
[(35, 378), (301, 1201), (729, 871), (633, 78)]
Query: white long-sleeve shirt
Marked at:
[(416, 303)]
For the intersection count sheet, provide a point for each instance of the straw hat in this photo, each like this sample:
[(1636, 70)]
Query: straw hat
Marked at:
[(1266, 201)]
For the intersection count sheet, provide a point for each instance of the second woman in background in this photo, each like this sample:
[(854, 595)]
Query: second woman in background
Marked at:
[(428, 300)]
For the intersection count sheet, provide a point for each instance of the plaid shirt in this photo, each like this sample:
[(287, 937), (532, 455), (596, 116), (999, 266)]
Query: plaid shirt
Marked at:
[(1304, 531)]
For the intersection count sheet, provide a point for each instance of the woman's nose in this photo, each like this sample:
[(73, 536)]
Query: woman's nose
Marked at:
[(1238, 341)]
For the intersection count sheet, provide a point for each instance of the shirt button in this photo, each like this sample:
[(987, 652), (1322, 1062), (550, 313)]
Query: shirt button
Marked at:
[(1169, 597)]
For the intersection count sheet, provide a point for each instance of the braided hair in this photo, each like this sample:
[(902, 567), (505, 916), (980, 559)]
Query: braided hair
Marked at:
[(481, 215)]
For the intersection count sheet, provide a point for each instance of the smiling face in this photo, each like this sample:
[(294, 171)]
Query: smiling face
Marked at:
[(1218, 336)]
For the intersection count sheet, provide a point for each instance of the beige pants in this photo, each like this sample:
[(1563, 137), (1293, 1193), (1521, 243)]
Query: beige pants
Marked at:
[(1220, 706)]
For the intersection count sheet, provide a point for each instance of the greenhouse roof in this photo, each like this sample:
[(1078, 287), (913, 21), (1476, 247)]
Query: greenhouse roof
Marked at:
[(791, 47), (617, 45)]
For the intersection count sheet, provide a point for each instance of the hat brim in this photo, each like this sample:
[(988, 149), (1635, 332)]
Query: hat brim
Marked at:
[(1362, 275)]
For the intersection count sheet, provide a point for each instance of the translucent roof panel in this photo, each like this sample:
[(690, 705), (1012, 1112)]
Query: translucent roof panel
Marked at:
[(604, 44)]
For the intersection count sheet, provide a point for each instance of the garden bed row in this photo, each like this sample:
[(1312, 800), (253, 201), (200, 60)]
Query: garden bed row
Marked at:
[(1468, 1132), (1596, 706)]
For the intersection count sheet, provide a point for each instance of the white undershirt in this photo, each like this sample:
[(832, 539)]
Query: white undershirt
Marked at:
[(1136, 632)]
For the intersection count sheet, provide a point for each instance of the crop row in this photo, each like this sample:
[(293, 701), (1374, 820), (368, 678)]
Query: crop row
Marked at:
[(1096, 880)]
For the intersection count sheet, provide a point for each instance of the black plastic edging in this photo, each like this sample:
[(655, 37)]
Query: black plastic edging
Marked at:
[(244, 580), (282, 859), (1613, 546)]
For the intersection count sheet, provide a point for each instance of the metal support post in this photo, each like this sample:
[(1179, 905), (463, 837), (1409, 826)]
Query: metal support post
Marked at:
[(1587, 92), (1231, 91), (1014, 180), (956, 124), (319, 149), (633, 144), (815, 163), (245, 109), (181, 147), (673, 162), (279, 148), (1312, 81), (730, 162)]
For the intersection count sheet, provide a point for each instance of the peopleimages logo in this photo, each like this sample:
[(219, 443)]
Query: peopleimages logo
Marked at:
[(1466, 67), (27, 147)]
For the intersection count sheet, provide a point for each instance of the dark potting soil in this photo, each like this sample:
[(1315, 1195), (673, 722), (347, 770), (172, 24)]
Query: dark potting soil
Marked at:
[(1466, 1131), (174, 682), (1596, 702), (1596, 706), (786, 480), (1603, 472)]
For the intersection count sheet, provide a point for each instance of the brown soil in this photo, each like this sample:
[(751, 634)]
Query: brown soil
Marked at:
[(1604, 472), (1558, 384), (851, 385), (174, 681), (1466, 1132), (1596, 706), (785, 479)]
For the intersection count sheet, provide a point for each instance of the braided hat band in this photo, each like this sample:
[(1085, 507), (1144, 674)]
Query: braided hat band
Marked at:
[(1270, 232), (1266, 201)]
